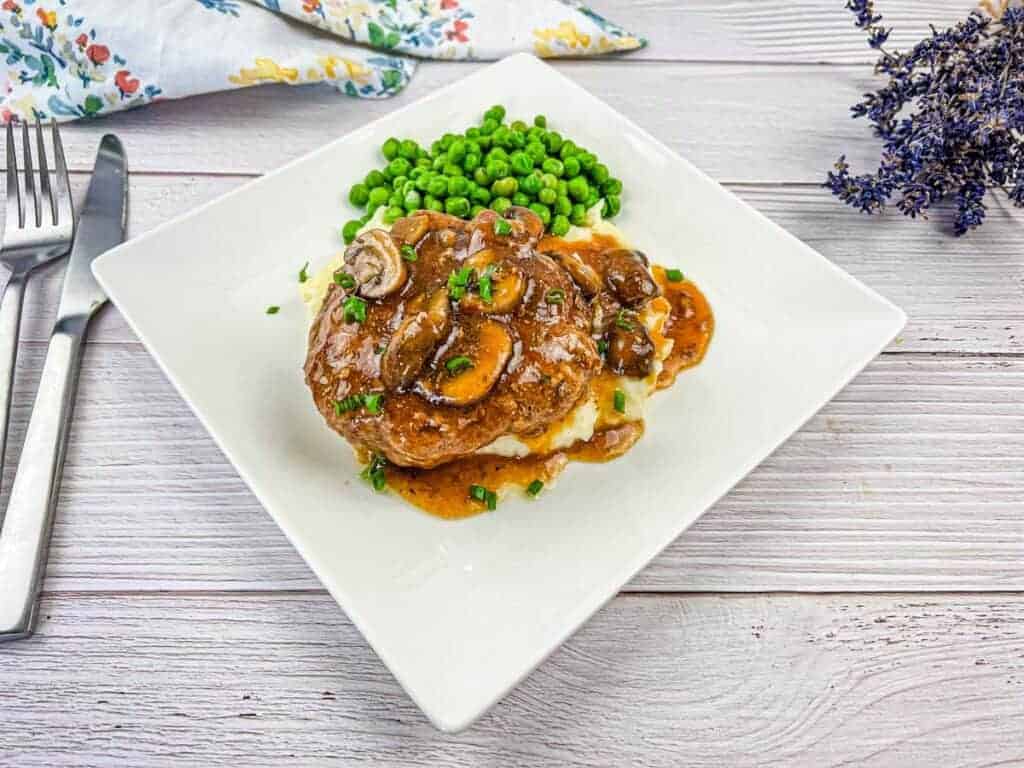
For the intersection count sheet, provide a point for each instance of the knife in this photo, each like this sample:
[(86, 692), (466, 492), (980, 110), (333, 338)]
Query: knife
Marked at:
[(25, 535)]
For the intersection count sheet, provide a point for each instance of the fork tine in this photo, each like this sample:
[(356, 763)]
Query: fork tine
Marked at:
[(15, 210), (65, 211), (30, 179), (45, 192)]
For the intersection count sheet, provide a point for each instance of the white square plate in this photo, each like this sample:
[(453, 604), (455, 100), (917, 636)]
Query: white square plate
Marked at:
[(462, 611)]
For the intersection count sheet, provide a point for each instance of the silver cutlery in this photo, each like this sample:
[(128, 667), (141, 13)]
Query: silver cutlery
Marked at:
[(25, 535), (31, 238)]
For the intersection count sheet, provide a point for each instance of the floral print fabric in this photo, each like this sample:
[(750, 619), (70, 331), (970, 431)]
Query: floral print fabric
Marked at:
[(70, 59)]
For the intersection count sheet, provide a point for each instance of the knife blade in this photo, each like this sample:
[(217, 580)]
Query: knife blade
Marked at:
[(101, 226), (25, 535)]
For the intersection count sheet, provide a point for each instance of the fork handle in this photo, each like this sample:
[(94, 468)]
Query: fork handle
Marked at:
[(10, 324), (25, 536)]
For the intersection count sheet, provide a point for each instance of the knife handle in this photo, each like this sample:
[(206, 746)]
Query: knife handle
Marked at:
[(25, 535)]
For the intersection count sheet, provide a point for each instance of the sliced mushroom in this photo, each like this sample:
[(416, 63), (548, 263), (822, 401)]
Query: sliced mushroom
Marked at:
[(627, 274), (488, 347), (531, 222), (410, 229), (603, 311), (375, 262), (584, 275), (507, 284), (414, 342), (630, 351)]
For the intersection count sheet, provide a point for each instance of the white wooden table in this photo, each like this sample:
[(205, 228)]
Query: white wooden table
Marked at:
[(858, 600)]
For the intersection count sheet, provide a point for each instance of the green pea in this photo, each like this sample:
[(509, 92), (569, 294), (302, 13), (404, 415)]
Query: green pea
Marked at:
[(416, 172), (436, 148), (535, 134), (542, 211), (438, 186), (451, 169), (458, 186), (370, 210), (456, 151), (547, 196), (578, 188), (375, 179), (428, 199), (612, 205), (562, 188), (568, 149), (498, 168), (612, 187), (578, 217), (393, 214), (409, 186), (482, 177), (435, 205), (398, 167), (520, 199), (517, 139), (408, 149), (471, 162), (390, 149), (501, 136), (489, 126), (553, 141), (422, 182), (439, 162), (549, 180), (520, 126), (484, 142), (587, 161), (540, 121), (572, 167), (480, 195), (359, 195), (497, 153), (531, 184), (563, 205), (521, 163), (447, 140), (553, 166), (505, 187), (398, 182), (593, 196), (348, 232), (457, 206), (475, 210), (497, 113), (472, 132), (378, 195), (421, 153), (395, 201), (599, 173), (423, 162), (413, 200), (559, 225), (536, 152), (500, 205), (473, 147)]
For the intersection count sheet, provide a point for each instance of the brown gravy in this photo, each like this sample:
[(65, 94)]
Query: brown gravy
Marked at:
[(444, 490)]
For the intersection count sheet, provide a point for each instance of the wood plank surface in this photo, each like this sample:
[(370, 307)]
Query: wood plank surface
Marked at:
[(911, 479), (887, 681), (963, 295)]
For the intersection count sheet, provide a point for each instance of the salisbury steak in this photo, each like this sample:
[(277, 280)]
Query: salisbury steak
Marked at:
[(466, 331)]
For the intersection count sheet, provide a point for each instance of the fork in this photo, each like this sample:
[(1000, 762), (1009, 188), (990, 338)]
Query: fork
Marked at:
[(29, 241)]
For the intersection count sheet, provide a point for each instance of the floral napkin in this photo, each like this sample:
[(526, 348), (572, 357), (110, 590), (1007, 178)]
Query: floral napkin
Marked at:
[(70, 59)]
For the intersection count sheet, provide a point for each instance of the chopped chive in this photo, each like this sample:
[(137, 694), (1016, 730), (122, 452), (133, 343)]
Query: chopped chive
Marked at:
[(491, 500), (502, 227), (674, 275), (374, 472), (408, 253), (555, 296), (354, 310), (477, 493), (303, 274), (458, 364), (345, 280), (534, 488), (602, 347), (371, 402), (273, 309), (486, 288), (458, 282), (619, 401), (622, 320)]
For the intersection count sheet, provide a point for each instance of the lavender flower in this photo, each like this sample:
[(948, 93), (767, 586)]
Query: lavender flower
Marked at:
[(950, 117)]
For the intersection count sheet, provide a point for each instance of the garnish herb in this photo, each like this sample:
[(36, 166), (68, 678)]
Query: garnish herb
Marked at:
[(370, 401), (534, 488), (602, 347), (303, 274), (674, 275), (273, 309), (458, 282), (622, 320), (354, 310), (457, 365), (619, 401), (345, 280), (408, 253), (374, 472), (555, 296), (502, 228), (484, 496), (485, 286)]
